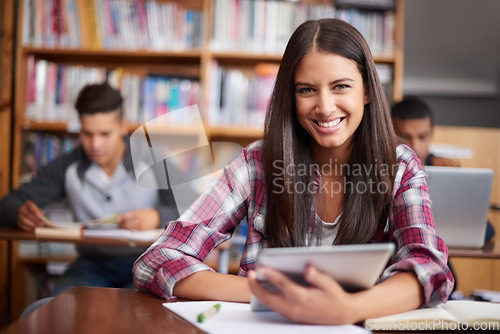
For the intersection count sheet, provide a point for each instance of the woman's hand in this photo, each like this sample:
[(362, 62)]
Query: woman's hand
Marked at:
[(322, 303), (326, 303)]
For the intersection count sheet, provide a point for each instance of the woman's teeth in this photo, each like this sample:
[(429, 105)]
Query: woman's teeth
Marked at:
[(330, 123)]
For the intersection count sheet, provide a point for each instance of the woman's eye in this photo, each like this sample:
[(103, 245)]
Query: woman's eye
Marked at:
[(305, 90), (341, 87)]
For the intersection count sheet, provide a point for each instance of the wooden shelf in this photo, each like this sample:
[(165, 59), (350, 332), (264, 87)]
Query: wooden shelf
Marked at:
[(91, 55), (31, 125), (114, 56), (177, 130), (216, 131), (235, 131), (59, 126), (242, 57), (385, 59)]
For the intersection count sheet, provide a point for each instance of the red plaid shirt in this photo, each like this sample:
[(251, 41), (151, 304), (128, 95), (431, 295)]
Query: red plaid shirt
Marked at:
[(240, 192)]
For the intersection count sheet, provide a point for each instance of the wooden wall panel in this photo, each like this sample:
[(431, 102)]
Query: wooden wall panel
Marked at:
[(473, 273), (6, 47), (485, 143)]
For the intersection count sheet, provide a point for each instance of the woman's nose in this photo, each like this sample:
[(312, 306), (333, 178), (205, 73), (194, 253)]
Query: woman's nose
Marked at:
[(326, 103)]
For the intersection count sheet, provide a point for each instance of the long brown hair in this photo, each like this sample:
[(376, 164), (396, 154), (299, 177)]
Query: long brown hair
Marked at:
[(287, 145)]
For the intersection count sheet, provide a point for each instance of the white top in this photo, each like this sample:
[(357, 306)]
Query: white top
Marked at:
[(328, 230)]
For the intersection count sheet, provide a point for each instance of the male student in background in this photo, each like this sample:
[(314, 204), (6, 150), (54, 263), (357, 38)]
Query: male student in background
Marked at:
[(414, 123), (98, 180)]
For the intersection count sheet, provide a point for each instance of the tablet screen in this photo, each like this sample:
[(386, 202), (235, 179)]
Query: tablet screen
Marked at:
[(354, 267)]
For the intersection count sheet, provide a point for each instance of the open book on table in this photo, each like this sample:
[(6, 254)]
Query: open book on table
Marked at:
[(453, 315), (74, 230)]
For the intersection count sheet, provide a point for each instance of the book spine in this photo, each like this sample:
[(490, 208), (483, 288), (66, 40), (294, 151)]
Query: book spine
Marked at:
[(95, 36), (368, 4), (27, 37), (83, 19)]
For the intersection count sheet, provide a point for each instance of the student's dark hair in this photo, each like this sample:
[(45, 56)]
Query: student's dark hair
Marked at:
[(98, 98), (412, 108), (286, 144)]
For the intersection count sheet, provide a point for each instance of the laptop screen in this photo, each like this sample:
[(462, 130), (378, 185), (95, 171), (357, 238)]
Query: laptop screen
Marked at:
[(460, 203)]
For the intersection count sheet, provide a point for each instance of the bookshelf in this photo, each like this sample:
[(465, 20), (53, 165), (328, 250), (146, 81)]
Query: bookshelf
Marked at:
[(199, 62), (208, 43)]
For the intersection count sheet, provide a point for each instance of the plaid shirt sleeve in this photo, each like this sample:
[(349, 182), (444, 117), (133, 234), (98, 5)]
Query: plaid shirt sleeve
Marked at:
[(411, 227), (186, 242)]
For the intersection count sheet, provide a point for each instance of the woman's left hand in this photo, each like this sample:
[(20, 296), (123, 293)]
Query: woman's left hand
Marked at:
[(322, 303)]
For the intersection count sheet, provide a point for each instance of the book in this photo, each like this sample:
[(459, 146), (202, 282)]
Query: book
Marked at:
[(453, 315), (74, 230), (107, 222), (146, 235), (58, 233), (368, 4)]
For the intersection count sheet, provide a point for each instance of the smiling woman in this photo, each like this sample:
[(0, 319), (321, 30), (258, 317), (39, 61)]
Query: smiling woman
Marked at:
[(333, 74), (330, 100), (327, 109)]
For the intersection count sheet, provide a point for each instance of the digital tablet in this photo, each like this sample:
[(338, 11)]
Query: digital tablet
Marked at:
[(354, 267)]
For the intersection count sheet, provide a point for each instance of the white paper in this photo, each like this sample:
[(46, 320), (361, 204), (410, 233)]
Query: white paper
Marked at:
[(147, 235), (451, 151), (239, 318), (492, 296)]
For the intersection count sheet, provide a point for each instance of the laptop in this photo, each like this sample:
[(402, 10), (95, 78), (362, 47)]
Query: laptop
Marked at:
[(460, 203)]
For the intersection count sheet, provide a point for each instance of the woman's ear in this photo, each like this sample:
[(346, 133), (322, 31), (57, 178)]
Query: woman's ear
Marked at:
[(367, 97)]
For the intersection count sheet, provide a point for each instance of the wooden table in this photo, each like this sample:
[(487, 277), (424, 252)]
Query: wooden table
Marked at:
[(106, 310), (12, 276), (11, 268), (13, 234), (102, 310), (490, 250), (476, 268)]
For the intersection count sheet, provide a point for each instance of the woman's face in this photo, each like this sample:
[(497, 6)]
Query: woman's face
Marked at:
[(330, 99)]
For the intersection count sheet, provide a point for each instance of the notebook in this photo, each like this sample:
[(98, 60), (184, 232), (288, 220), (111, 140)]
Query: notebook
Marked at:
[(460, 203)]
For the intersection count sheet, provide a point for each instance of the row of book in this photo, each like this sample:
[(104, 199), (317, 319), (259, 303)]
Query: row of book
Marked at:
[(240, 97), (148, 97), (368, 4), (377, 27), (53, 89), (237, 96), (386, 76), (111, 24), (40, 149), (260, 26), (265, 26)]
